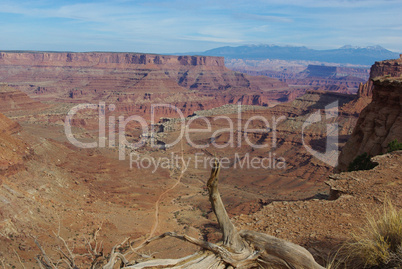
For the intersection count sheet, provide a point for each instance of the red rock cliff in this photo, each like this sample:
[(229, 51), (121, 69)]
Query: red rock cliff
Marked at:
[(108, 60), (391, 68), (379, 123)]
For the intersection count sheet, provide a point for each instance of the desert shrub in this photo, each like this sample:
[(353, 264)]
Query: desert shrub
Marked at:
[(361, 162), (379, 243), (393, 146)]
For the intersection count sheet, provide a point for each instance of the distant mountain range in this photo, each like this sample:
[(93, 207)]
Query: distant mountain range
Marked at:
[(343, 55)]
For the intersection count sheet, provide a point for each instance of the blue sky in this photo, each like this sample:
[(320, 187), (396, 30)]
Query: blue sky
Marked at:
[(159, 26)]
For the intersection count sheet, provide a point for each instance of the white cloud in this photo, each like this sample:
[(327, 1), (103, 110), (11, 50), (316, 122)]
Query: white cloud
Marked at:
[(164, 24), (266, 18)]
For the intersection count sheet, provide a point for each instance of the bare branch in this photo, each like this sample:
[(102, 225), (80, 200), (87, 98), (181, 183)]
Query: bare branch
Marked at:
[(41, 264), (116, 255), (48, 262), (2, 263), (70, 256), (19, 259)]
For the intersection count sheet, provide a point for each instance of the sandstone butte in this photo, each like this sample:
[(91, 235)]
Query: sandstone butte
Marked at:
[(46, 182)]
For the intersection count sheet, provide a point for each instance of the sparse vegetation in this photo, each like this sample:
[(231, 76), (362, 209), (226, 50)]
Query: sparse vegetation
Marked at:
[(376, 245), (379, 243), (361, 162), (394, 146), (335, 263)]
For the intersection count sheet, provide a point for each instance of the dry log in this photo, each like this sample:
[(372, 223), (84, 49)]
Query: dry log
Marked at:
[(231, 237), (239, 249)]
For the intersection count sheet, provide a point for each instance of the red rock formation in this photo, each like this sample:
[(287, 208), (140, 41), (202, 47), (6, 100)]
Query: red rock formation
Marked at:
[(379, 123), (94, 76), (108, 60), (13, 100), (365, 90), (363, 98), (136, 81), (391, 68)]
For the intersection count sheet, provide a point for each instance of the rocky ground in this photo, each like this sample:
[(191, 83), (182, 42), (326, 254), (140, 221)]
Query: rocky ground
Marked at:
[(321, 225)]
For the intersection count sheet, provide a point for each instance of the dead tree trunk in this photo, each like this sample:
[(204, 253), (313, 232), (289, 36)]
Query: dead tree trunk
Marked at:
[(240, 249), (231, 237)]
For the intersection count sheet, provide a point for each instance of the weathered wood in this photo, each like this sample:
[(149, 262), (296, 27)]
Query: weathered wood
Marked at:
[(279, 250), (241, 249), (270, 250), (231, 237)]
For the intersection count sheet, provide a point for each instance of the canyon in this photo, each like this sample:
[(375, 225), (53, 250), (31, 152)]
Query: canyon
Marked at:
[(48, 184), (96, 75)]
